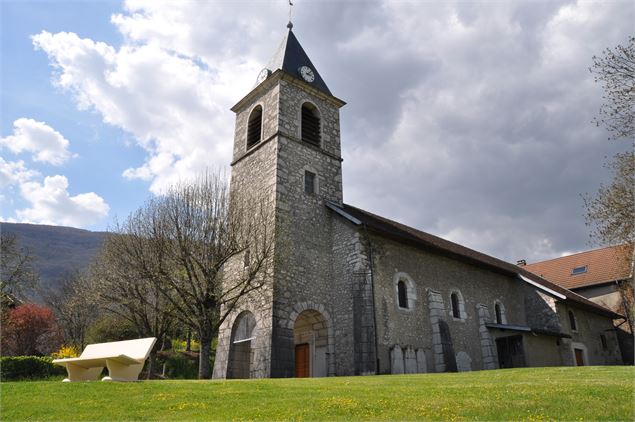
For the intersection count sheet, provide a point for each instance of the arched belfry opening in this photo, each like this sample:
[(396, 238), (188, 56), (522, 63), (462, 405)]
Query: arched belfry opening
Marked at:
[(310, 124), (254, 127), (310, 338), (241, 349)]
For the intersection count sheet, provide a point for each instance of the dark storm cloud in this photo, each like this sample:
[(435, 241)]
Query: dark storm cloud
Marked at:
[(474, 124)]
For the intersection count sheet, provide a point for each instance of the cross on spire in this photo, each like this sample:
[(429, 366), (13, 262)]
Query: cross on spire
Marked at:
[(290, 24)]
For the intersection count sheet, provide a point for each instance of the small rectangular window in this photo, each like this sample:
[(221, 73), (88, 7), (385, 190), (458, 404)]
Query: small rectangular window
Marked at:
[(246, 259), (309, 182), (578, 270), (605, 346)]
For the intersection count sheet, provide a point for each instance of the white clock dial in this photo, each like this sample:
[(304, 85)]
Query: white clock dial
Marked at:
[(264, 74), (307, 73)]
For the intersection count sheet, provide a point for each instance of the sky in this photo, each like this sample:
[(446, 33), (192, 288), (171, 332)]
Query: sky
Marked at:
[(469, 120)]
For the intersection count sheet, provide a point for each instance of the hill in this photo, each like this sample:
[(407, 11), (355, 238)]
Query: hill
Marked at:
[(57, 250)]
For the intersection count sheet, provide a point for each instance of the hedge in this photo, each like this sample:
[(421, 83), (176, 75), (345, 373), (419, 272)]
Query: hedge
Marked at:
[(178, 365), (28, 367)]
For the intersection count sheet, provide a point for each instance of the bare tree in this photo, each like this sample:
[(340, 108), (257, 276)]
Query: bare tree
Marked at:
[(615, 70), (123, 282), (17, 275), (184, 243), (74, 306), (611, 212)]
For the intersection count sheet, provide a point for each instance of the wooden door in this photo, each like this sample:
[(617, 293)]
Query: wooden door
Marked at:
[(579, 357), (302, 361)]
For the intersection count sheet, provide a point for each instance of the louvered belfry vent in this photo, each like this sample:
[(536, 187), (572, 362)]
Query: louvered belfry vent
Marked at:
[(310, 124), (254, 127)]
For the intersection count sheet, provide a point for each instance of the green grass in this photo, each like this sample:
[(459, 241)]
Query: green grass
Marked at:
[(588, 393)]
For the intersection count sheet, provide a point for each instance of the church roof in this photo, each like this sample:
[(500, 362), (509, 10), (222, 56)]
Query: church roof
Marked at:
[(408, 235), (290, 56), (589, 268)]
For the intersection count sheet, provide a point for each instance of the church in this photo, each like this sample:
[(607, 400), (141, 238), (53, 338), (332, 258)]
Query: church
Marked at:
[(353, 293)]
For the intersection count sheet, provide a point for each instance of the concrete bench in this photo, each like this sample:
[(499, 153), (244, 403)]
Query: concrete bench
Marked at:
[(124, 360)]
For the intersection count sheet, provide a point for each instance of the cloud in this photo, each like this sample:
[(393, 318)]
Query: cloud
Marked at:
[(468, 120), (52, 204), (14, 173), (42, 141), (491, 145)]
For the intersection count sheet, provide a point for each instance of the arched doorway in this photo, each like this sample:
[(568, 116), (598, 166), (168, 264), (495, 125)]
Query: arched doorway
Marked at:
[(310, 338), (241, 348)]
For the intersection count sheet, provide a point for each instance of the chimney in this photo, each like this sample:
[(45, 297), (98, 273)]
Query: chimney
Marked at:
[(521, 262)]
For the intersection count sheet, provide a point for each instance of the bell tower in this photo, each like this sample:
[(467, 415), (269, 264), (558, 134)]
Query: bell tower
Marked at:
[(287, 148)]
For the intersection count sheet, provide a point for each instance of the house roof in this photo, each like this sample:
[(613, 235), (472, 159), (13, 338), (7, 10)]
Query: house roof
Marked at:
[(599, 266), (290, 56), (422, 240)]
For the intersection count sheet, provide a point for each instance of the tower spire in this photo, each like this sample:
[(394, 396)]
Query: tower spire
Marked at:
[(290, 24)]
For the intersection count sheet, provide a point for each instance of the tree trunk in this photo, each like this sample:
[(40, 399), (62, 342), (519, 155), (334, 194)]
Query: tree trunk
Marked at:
[(151, 359), (188, 346), (204, 367)]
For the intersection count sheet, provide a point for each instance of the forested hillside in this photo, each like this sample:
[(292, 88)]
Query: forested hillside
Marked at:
[(56, 250)]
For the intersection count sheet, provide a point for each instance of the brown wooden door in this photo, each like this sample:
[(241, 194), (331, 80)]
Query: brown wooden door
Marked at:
[(302, 362), (579, 357)]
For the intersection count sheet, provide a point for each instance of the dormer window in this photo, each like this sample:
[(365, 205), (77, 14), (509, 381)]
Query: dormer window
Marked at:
[(579, 270), (254, 127), (310, 124)]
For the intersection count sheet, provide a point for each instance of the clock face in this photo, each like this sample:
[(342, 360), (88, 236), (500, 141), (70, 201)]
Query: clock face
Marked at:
[(307, 73), (264, 74)]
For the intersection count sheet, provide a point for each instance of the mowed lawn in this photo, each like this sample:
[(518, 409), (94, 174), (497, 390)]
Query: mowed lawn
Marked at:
[(586, 393)]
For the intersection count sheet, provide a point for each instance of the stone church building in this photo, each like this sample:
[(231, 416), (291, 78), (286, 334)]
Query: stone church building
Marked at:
[(353, 293)]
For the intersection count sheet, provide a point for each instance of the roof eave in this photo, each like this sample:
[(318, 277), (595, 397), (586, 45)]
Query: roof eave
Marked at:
[(275, 78)]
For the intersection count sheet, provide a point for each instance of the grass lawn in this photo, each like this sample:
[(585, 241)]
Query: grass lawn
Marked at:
[(586, 393)]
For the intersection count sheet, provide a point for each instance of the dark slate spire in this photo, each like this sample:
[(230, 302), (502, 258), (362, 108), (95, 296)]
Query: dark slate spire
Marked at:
[(290, 56)]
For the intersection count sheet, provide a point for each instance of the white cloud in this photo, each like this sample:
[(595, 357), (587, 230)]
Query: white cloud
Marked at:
[(473, 117), (42, 141), (14, 173), (51, 203)]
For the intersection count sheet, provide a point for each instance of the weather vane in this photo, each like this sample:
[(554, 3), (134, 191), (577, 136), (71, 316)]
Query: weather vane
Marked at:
[(290, 25)]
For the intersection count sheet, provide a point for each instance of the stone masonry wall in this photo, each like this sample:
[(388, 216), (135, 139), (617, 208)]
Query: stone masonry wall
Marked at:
[(351, 265), (436, 277), (587, 336), (305, 275), (253, 183)]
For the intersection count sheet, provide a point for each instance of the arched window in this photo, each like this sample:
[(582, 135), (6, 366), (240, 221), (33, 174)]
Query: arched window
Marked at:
[(499, 315), (402, 293), (310, 124), (572, 322), (456, 311), (405, 292), (254, 127)]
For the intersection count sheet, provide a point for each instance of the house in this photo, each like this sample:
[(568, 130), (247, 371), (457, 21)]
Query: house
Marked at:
[(353, 293), (604, 276)]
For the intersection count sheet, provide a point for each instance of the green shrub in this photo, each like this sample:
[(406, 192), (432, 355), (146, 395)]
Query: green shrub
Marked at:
[(28, 367), (178, 365)]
